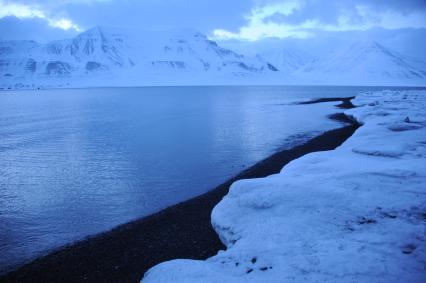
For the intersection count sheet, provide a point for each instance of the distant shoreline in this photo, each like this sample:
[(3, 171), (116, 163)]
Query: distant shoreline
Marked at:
[(125, 253), (402, 87)]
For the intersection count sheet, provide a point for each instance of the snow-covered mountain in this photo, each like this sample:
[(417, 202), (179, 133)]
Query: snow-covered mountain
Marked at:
[(123, 54), (368, 62), (285, 59), (122, 57)]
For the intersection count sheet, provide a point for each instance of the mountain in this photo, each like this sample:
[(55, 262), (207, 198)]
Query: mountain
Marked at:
[(123, 57), (365, 62), (285, 59), (129, 55)]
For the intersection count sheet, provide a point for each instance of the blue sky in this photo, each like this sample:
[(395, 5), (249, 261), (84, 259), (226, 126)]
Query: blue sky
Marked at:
[(245, 20)]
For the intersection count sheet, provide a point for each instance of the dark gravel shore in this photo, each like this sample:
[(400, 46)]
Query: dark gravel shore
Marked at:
[(125, 253), (346, 101)]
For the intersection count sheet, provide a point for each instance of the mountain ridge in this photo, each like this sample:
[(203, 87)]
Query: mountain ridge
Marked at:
[(367, 60), (105, 56)]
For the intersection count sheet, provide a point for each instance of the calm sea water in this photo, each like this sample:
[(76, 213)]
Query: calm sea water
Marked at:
[(80, 161)]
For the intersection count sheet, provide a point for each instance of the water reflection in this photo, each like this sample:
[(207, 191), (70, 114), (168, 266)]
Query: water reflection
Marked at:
[(80, 161)]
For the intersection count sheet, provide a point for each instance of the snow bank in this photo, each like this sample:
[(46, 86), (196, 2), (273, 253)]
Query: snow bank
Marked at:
[(354, 214)]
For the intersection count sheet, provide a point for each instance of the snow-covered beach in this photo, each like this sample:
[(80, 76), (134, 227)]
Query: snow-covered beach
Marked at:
[(353, 214)]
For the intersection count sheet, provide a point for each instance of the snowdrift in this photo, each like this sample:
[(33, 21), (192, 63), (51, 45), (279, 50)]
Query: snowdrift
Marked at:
[(354, 214)]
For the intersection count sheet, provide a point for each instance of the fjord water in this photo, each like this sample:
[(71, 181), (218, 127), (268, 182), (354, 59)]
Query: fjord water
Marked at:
[(76, 162)]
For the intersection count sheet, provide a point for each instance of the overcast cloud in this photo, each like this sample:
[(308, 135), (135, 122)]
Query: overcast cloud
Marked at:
[(220, 19)]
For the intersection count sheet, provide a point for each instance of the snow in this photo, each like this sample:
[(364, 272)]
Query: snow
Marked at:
[(113, 56), (286, 60), (105, 56), (365, 61), (354, 214)]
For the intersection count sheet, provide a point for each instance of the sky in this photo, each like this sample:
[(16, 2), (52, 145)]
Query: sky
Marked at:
[(222, 20)]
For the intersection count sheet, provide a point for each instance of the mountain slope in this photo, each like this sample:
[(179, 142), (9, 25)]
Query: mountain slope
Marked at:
[(122, 54), (367, 62), (122, 57), (285, 59)]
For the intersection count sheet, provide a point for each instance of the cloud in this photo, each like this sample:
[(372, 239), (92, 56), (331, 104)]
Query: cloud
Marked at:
[(258, 27), (25, 11), (13, 28), (304, 18), (203, 15), (224, 19)]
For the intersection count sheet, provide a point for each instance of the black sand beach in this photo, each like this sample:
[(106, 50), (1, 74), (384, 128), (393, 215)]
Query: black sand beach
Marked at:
[(125, 253)]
